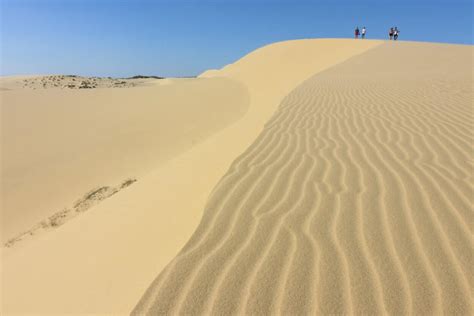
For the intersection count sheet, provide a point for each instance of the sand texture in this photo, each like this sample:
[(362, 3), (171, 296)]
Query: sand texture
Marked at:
[(356, 198), (326, 176), (108, 256)]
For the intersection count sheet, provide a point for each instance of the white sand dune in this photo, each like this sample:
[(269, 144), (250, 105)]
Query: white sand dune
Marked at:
[(345, 187), (143, 227), (355, 199)]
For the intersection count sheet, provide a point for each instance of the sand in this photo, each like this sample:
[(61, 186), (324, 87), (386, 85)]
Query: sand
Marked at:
[(345, 187), (355, 199), (59, 143)]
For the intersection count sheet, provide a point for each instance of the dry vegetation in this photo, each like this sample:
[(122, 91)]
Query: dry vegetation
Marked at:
[(78, 82), (90, 199)]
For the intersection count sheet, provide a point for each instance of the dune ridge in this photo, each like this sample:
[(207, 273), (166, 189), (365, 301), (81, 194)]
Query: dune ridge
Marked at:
[(356, 198)]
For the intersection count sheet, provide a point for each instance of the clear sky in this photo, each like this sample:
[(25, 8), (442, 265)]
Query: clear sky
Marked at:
[(184, 38)]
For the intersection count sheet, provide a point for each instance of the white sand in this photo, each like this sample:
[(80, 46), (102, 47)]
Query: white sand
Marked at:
[(59, 144), (355, 197)]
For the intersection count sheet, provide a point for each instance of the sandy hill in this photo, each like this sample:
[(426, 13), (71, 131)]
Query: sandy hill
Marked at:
[(330, 176), (60, 144)]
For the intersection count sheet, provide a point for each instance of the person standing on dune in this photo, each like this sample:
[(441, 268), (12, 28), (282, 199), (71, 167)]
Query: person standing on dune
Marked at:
[(390, 33), (395, 33), (356, 32), (364, 30)]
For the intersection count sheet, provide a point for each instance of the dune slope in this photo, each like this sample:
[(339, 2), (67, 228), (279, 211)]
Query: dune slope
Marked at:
[(102, 261), (59, 144), (356, 198)]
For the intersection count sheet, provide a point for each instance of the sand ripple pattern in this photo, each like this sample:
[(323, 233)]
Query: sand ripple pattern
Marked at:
[(355, 199)]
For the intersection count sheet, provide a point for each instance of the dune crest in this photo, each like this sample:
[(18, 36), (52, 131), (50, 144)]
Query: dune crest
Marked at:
[(355, 199)]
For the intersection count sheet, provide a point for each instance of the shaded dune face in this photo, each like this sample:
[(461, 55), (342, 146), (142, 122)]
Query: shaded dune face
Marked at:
[(356, 198)]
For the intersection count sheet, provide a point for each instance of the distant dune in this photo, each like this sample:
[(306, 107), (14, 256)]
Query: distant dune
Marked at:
[(72, 82), (308, 177)]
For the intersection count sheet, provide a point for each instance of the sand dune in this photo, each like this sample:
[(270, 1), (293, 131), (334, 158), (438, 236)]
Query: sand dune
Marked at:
[(336, 178), (107, 257), (59, 143), (355, 199)]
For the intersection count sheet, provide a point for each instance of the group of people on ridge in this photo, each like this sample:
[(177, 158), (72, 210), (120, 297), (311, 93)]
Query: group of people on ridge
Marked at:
[(393, 33), (357, 32)]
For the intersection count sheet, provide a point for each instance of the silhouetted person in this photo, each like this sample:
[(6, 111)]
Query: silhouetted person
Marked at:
[(390, 33), (356, 32), (395, 33), (363, 32)]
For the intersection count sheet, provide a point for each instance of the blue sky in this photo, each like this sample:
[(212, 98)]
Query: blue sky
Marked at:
[(184, 38)]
